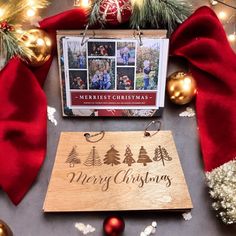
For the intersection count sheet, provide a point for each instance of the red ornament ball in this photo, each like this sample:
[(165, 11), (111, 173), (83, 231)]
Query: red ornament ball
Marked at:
[(113, 226), (115, 12)]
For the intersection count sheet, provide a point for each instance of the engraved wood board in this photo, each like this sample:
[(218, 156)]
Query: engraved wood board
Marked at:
[(123, 171)]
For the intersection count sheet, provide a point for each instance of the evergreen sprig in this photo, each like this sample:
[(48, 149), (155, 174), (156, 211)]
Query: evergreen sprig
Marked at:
[(11, 46), (15, 9), (13, 14), (94, 16), (166, 14)]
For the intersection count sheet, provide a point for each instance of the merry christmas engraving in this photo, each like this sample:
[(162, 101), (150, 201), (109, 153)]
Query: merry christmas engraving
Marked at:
[(129, 176), (93, 158), (143, 157), (73, 157), (128, 157), (112, 157), (161, 154)]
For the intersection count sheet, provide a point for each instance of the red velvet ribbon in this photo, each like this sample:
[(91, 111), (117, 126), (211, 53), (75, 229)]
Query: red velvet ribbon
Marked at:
[(23, 113), (202, 41), (23, 132)]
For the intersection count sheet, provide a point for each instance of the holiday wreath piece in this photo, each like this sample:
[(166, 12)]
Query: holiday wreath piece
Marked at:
[(23, 121), (140, 13), (13, 14)]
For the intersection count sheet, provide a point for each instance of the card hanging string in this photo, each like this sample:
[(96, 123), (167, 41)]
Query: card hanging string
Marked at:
[(83, 42), (140, 33), (156, 124), (88, 137)]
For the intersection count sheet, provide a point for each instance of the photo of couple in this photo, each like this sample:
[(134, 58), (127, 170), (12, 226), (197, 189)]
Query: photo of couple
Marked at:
[(101, 49), (126, 53), (102, 74), (147, 65), (77, 55), (78, 80), (125, 78)]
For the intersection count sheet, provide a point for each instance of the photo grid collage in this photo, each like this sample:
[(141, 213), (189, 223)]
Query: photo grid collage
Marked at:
[(111, 64)]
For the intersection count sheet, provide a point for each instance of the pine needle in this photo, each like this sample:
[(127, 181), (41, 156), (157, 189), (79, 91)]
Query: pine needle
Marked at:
[(13, 46), (13, 12), (94, 16), (166, 14)]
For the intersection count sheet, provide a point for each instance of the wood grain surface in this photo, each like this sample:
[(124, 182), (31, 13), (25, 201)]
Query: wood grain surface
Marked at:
[(123, 171), (104, 33)]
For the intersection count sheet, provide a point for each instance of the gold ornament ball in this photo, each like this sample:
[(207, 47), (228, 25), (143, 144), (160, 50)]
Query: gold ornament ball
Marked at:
[(5, 229), (40, 43), (181, 87)]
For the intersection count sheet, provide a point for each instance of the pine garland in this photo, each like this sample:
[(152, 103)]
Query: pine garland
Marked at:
[(165, 14), (12, 15), (11, 45), (94, 16)]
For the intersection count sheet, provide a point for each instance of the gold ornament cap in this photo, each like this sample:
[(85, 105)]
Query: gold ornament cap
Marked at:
[(181, 87), (39, 42), (5, 229)]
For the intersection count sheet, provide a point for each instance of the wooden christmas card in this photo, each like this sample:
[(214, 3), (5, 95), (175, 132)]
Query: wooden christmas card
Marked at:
[(122, 171)]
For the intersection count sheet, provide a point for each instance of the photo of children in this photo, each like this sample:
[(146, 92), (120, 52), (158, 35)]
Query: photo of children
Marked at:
[(78, 80), (147, 65), (76, 55), (101, 49), (126, 53), (102, 74), (125, 78)]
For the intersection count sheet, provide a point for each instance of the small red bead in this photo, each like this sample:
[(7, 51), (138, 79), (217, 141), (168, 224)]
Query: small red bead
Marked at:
[(113, 226)]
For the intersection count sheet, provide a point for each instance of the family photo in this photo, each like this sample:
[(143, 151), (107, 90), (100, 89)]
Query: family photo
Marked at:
[(147, 65), (125, 78), (126, 53), (78, 79), (102, 74), (101, 49), (77, 55)]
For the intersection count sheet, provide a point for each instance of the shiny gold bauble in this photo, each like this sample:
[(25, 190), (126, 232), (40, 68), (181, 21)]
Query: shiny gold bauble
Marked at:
[(5, 229), (41, 45), (181, 87)]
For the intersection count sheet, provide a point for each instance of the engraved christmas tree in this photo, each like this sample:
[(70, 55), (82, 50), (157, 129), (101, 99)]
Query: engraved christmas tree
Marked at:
[(93, 158), (112, 157), (128, 157), (73, 157), (161, 154), (143, 157)]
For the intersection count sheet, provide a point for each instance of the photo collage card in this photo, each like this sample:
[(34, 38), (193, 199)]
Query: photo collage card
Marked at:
[(110, 74)]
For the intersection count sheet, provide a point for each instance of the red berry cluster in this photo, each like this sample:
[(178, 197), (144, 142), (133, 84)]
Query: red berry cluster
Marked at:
[(5, 26)]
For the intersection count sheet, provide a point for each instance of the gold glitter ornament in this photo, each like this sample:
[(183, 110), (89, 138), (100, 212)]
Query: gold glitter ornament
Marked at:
[(181, 87), (5, 229), (40, 43)]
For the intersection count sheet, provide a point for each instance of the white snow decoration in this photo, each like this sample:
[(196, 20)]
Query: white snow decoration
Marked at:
[(187, 216), (150, 229), (51, 112), (154, 224), (189, 112), (165, 199), (85, 229)]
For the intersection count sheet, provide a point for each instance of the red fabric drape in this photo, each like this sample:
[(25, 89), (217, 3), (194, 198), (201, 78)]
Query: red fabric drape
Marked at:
[(201, 39), (23, 114)]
